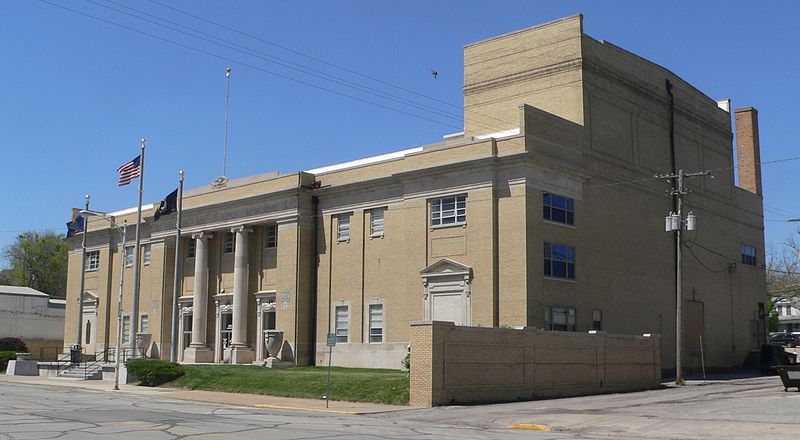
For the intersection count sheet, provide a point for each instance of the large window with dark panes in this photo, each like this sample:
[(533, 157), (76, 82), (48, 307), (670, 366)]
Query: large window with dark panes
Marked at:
[(559, 261), (559, 209)]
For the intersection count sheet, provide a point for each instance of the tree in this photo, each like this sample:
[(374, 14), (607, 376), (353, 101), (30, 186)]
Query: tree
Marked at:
[(38, 261), (783, 277)]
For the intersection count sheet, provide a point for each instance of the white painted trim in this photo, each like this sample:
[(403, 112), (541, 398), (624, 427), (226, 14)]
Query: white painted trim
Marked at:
[(365, 161)]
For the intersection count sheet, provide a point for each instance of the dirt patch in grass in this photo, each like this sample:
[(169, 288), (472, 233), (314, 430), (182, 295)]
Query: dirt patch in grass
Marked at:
[(349, 384)]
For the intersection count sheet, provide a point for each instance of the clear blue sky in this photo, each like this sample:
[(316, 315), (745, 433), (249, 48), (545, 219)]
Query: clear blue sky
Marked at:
[(78, 94)]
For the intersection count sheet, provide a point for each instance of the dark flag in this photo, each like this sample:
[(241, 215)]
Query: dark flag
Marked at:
[(168, 205), (75, 226)]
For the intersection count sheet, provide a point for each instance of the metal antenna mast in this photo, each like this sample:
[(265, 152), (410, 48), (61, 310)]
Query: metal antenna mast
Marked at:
[(221, 181)]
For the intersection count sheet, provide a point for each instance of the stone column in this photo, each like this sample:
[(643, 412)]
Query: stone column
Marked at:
[(198, 351), (240, 352)]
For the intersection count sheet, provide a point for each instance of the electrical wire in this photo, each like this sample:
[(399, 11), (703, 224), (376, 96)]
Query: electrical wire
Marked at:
[(248, 65), (288, 64), (327, 63)]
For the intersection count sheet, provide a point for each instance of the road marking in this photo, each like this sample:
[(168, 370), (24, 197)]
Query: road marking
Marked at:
[(530, 427), (295, 408)]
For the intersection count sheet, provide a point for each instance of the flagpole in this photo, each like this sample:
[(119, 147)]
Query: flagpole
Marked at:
[(176, 278), (137, 257), (83, 274)]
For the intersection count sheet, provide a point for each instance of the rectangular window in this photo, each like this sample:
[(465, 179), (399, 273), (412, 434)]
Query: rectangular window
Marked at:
[(93, 260), (449, 211), (559, 261), (342, 323), (191, 246), (126, 329), (376, 323), (128, 256), (187, 330), (749, 255), (230, 243), (376, 222), (597, 320), (559, 319), (271, 239), (343, 227), (147, 254), (144, 324), (558, 209)]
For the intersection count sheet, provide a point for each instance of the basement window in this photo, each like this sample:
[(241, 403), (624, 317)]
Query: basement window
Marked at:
[(559, 319)]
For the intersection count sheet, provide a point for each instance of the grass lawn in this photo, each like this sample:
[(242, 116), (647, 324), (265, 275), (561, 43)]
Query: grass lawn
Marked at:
[(351, 384)]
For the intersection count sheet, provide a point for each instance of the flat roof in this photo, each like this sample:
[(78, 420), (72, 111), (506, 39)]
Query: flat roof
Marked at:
[(19, 290)]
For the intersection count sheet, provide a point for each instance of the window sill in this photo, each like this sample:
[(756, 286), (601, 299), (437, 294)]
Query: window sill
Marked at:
[(565, 280), (449, 225), (551, 222), (343, 240), (92, 270), (375, 236)]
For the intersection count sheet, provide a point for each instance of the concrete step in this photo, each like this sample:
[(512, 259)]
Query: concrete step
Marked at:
[(82, 371)]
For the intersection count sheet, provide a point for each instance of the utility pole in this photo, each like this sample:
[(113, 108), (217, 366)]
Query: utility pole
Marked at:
[(676, 223)]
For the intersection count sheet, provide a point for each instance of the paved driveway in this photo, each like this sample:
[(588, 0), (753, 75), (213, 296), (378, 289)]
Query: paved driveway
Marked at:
[(755, 408)]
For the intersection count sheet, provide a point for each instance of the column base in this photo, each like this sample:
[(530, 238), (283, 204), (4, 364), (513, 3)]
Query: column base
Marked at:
[(242, 355), (198, 355)]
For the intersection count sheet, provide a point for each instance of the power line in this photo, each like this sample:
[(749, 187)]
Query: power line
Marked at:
[(284, 63), (248, 65), (327, 63)]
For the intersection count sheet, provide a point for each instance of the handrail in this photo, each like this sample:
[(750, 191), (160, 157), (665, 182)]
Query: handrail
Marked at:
[(63, 363), (90, 366)]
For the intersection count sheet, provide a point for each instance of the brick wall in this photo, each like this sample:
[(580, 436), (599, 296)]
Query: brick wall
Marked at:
[(461, 365)]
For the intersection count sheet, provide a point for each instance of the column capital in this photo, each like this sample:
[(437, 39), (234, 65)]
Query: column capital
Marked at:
[(241, 228), (202, 235)]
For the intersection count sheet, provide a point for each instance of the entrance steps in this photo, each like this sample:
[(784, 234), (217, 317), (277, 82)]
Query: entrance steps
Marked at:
[(87, 371)]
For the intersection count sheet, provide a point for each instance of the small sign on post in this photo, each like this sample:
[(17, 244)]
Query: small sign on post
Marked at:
[(331, 344)]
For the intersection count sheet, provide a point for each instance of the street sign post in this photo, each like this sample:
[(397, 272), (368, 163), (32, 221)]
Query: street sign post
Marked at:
[(331, 344)]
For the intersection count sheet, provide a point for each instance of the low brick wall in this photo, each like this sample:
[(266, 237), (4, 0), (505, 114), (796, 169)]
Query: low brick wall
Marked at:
[(462, 365)]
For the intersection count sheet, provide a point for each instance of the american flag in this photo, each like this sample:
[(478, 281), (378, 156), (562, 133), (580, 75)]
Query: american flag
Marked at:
[(130, 170)]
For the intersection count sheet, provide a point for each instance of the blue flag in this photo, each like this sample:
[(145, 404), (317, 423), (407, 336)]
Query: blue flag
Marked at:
[(75, 226)]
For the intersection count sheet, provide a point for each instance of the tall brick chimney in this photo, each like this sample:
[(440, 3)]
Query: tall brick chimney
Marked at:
[(748, 149)]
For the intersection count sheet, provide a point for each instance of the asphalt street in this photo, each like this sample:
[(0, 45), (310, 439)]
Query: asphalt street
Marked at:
[(754, 408), (47, 412)]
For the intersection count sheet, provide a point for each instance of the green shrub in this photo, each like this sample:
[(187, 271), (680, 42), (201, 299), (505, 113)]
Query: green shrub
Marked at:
[(13, 344), (407, 359), (6, 356), (152, 373)]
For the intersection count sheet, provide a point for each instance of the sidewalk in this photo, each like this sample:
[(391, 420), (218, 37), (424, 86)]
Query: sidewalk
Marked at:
[(249, 400)]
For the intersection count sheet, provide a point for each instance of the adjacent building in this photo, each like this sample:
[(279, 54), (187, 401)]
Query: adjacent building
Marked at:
[(543, 212), (788, 315), (35, 318)]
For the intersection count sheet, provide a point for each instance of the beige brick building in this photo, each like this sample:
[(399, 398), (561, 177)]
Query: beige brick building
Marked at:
[(562, 137)]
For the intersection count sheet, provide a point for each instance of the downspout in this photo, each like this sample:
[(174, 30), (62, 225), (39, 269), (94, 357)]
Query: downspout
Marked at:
[(314, 277)]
